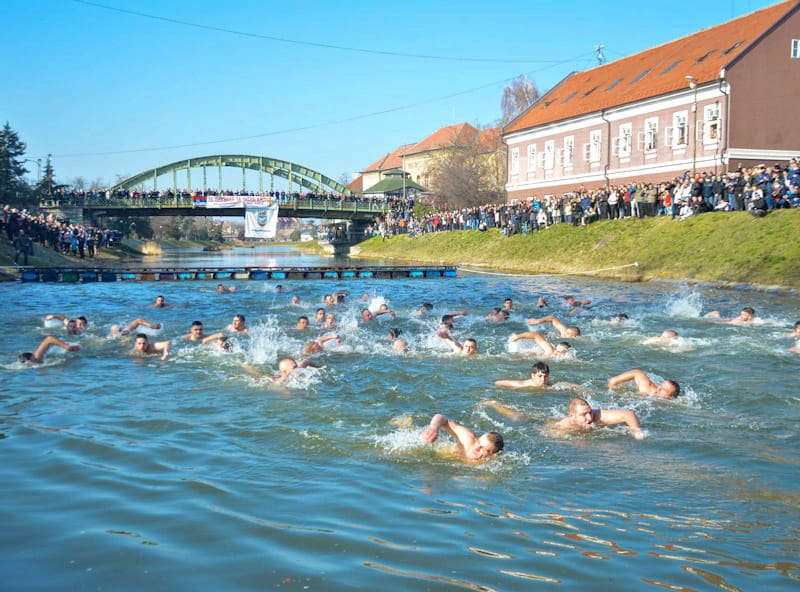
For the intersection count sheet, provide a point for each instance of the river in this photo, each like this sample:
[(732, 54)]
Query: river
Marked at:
[(127, 473)]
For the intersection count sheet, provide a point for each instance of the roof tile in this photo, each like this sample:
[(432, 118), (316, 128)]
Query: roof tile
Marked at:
[(653, 72)]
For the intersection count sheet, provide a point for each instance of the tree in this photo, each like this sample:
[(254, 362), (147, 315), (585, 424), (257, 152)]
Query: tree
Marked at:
[(518, 96), (464, 176), (12, 168)]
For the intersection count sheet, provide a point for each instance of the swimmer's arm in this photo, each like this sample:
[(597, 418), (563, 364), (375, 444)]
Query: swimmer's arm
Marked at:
[(626, 416), (58, 317), (308, 363), (163, 347), (325, 338), (389, 312), (643, 383), (49, 341), (139, 322), (464, 435), (503, 410), (510, 383), (213, 337), (458, 313), (251, 371), (445, 336), (527, 335)]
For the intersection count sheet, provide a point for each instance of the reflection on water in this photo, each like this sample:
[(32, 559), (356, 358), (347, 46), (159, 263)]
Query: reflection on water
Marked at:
[(129, 473)]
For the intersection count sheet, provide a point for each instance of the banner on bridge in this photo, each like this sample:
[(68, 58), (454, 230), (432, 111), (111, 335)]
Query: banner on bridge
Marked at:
[(239, 201), (261, 222)]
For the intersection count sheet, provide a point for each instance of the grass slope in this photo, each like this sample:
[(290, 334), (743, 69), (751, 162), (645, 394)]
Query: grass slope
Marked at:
[(717, 247)]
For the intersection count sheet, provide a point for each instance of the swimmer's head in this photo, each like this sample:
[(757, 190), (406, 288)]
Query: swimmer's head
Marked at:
[(748, 312), (572, 331), (619, 317), (394, 333), (669, 389), (27, 358), (563, 347), (486, 446)]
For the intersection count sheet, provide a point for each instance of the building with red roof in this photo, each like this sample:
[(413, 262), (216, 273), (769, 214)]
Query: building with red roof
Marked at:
[(716, 100)]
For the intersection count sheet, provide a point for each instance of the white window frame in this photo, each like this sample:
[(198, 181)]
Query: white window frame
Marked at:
[(625, 139), (680, 127), (531, 158), (794, 52), (569, 151), (711, 124), (595, 145), (515, 161), (586, 152), (549, 154), (650, 143)]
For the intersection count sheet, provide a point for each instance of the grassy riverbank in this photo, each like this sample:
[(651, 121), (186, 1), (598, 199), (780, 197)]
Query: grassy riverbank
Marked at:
[(725, 248)]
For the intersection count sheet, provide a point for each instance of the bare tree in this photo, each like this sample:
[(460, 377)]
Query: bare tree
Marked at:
[(79, 183), (467, 176), (518, 96)]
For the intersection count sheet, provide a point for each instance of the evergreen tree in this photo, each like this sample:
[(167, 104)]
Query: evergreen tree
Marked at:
[(12, 162)]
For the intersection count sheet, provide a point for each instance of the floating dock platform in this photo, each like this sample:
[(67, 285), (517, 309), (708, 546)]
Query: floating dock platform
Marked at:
[(171, 274)]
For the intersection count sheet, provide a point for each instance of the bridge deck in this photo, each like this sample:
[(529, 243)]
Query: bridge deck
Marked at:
[(103, 274)]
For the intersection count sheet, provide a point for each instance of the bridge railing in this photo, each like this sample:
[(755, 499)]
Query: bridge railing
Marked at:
[(181, 201)]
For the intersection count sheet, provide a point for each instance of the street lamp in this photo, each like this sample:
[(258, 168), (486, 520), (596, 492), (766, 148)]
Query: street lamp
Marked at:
[(693, 86), (38, 162)]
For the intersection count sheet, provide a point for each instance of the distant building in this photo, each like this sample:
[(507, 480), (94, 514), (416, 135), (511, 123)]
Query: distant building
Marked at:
[(712, 101), (415, 161)]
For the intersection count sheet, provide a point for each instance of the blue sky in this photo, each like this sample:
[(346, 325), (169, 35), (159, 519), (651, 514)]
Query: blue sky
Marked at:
[(330, 85)]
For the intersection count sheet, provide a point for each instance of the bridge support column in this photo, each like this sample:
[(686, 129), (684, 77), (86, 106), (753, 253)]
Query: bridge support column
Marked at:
[(355, 231)]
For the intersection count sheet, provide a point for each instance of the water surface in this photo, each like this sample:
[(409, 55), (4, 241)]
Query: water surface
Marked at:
[(123, 473)]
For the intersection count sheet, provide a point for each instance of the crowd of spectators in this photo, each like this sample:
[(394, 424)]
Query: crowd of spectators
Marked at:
[(757, 190), (24, 230)]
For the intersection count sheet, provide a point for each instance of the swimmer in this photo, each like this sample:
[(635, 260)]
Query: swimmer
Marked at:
[(237, 325), (563, 330), (582, 418), (468, 348), (280, 288), (796, 333), (508, 304), (497, 315), (575, 303), (367, 315), (319, 316), (449, 320), (394, 333), (665, 338), (618, 318), (669, 389), (548, 349), (468, 444), (115, 331), (73, 326), (286, 368), (384, 309), (302, 323), (541, 302), (295, 299), (195, 332), (745, 317), (424, 308), (222, 289), (142, 346), (37, 357), (540, 378), (330, 321), (318, 345), (161, 303)]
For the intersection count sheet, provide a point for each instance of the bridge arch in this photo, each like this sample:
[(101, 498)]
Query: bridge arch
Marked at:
[(294, 173)]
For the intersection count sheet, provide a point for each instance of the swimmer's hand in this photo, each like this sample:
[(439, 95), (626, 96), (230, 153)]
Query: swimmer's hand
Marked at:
[(74, 348), (514, 337), (429, 434), (638, 434)]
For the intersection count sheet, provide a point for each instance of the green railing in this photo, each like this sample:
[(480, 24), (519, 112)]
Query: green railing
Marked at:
[(177, 202)]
